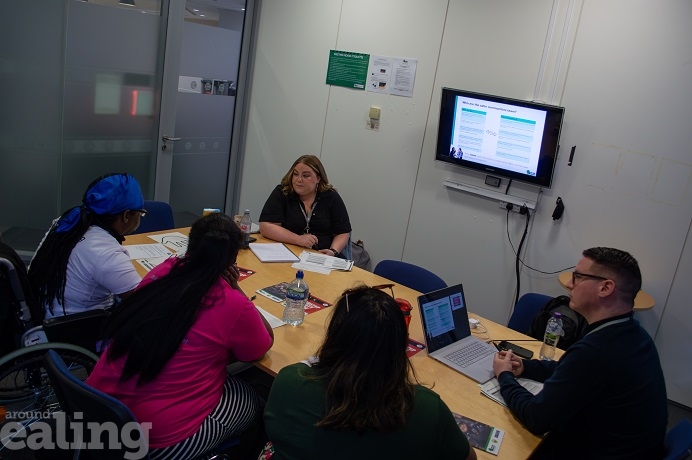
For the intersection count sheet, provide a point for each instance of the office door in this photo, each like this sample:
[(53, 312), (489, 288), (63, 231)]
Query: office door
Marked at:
[(201, 69)]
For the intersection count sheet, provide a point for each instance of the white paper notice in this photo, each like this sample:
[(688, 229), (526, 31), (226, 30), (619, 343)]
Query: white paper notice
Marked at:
[(379, 74), (174, 240), (403, 77), (273, 321), (148, 264), (147, 251)]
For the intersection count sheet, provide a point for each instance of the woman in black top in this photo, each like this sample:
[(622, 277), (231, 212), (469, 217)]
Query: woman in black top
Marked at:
[(306, 210)]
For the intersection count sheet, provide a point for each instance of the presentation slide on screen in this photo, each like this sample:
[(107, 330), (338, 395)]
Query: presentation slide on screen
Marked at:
[(438, 316), (498, 135)]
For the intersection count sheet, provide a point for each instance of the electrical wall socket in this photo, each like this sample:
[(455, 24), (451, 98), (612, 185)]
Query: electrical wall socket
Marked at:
[(515, 207)]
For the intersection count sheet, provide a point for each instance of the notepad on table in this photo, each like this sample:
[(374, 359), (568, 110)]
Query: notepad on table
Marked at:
[(273, 252)]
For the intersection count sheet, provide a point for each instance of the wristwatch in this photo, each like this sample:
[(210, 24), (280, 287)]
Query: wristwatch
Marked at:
[(334, 251)]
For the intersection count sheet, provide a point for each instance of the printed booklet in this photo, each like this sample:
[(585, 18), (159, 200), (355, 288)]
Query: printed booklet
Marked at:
[(480, 435), (277, 293)]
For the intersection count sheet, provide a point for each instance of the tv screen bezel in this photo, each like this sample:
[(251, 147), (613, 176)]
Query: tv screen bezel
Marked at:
[(549, 144)]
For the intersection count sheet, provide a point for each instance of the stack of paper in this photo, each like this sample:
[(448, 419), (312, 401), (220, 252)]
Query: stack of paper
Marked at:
[(321, 263), (491, 389)]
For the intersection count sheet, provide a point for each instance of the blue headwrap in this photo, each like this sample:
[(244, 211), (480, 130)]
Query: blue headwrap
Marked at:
[(111, 195)]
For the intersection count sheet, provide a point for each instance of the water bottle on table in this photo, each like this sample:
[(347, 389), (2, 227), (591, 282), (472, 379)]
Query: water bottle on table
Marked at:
[(246, 227), (553, 331), (297, 293)]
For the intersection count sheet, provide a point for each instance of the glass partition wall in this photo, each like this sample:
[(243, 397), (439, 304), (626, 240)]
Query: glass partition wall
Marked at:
[(81, 96), (79, 86)]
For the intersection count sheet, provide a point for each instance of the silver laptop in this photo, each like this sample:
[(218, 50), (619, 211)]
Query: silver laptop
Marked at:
[(448, 335)]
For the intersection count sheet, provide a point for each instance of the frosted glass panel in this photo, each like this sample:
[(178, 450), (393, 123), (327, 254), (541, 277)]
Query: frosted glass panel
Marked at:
[(30, 91), (110, 78), (78, 88)]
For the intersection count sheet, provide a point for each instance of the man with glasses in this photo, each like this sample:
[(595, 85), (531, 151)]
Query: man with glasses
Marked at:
[(606, 397)]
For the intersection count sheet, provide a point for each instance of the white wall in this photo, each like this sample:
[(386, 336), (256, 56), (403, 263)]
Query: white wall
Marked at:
[(623, 71)]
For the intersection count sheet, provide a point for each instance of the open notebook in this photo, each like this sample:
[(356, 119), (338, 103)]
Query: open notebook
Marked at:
[(273, 252)]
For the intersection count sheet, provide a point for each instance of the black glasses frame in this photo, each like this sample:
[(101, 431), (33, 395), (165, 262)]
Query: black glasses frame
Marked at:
[(576, 274)]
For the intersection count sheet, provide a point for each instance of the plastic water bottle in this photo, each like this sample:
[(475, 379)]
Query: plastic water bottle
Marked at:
[(297, 293), (553, 331), (246, 227)]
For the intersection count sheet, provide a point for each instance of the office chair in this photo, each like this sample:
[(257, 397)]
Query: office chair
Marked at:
[(410, 275), (678, 441), (96, 407), (525, 311), (84, 329), (347, 252), (159, 217), (75, 396)]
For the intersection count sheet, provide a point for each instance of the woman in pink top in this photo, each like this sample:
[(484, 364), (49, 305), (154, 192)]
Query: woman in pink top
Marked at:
[(172, 340)]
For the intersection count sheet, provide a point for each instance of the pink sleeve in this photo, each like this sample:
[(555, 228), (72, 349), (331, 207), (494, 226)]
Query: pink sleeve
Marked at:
[(248, 338)]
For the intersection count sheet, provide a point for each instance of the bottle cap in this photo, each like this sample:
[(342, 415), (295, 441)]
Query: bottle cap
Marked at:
[(247, 211), (557, 314), (299, 274)]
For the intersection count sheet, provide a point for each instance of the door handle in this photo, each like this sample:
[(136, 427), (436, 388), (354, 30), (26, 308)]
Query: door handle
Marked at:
[(167, 138)]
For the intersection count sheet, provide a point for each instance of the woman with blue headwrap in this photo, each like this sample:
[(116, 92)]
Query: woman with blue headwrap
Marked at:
[(81, 264)]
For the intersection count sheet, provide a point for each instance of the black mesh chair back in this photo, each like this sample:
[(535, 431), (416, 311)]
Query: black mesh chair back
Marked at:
[(84, 329), (18, 311)]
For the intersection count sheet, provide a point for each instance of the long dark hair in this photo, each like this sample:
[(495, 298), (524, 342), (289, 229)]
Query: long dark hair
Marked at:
[(364, 365), (48, 268), (151, 323)]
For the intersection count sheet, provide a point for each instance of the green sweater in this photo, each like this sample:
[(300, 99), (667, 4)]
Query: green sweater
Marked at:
[(295, 404)]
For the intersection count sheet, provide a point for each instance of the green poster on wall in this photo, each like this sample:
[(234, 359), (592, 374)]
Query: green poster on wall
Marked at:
[(347, 69)]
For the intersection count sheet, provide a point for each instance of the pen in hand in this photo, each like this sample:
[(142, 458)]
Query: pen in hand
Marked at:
[(252, 298)]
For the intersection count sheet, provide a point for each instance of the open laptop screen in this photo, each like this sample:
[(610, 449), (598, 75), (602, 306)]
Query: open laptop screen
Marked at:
[(444, 316)]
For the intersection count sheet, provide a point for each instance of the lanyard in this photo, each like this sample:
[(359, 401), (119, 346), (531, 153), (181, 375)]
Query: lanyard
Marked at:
[(307, 216), (611, 323)]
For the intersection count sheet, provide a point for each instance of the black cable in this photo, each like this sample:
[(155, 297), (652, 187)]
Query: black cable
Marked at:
[(521, 244), (514, 340), (509, 182), (528, 266)]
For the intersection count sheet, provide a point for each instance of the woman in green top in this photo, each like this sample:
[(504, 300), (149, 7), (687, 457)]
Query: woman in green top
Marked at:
[(357, 398)]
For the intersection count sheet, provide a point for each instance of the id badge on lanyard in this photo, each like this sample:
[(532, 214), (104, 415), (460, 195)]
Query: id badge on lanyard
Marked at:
[(307, 216)]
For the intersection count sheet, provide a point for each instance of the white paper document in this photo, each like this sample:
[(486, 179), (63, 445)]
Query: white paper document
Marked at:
[(323, 261), (273, 252), (147, 251), (311, 268), (150, 263), (491, 389), (174, 240), (273, 321)]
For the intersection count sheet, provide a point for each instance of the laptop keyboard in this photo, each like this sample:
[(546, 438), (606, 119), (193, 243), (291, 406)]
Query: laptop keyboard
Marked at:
[(469, 354)]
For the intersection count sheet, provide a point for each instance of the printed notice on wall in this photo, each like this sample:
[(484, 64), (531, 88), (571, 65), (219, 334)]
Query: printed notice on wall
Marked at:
[(403, 77), (347, 69), (379, 74)]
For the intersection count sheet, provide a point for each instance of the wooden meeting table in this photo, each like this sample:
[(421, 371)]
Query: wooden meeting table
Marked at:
[(294, 344)]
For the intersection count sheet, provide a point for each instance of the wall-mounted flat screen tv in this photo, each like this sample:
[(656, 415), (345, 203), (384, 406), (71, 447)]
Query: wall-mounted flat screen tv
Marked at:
[(499, 136)]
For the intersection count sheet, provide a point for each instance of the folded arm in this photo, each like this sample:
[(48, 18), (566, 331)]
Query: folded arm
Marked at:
[(277, 232)]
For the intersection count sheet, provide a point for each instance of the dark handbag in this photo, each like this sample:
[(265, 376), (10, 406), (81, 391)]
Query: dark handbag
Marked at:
[(361, 258)]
